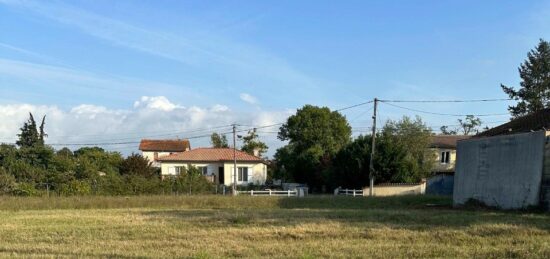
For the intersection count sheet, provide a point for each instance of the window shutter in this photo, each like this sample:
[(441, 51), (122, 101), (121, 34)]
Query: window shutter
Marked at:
[(250, 174)]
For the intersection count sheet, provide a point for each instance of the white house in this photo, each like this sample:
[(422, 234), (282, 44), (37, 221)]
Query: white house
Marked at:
[(218, 164), (153, 149)]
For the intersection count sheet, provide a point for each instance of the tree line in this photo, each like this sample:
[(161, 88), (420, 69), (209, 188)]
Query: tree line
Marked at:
[(320, 151), (32, 168)]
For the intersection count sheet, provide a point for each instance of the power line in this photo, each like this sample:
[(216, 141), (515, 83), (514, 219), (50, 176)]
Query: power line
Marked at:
[(444, 114), (445, 101), (353, 106)]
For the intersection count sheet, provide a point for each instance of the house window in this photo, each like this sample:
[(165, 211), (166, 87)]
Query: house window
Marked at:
[(243, 174), (203, 169), (445, 157)]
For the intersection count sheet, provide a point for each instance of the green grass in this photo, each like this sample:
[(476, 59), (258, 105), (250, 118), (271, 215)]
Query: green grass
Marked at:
[(312, 227)]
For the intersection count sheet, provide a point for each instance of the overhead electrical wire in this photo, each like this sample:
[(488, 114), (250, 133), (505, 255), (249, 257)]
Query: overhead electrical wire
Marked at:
[(444, 114)]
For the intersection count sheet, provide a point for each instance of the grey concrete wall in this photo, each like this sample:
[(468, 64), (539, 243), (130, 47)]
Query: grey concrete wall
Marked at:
[(502, 171)]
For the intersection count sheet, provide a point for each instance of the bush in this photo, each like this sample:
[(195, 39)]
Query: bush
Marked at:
[(75, 187), (7, 182), (25, 189)]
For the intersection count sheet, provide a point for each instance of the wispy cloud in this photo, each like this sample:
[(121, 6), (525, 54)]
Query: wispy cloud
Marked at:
[(198, 49), (248, 98), (47, 77)]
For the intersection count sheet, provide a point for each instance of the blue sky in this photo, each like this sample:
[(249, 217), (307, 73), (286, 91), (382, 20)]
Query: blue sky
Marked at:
[(256, 61)]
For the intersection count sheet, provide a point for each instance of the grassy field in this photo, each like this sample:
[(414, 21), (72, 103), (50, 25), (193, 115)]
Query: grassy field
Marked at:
[(213, 227)]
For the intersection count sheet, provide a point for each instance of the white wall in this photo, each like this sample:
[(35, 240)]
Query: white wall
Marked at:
[(150, 155), (257, 172)]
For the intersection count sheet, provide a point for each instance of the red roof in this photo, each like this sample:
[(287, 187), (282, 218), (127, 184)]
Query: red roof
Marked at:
[(166, 145), (211, 155), (446, 141)]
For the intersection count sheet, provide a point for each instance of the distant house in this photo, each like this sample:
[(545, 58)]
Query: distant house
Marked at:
[(218, 164), (444, 147), (153, 149), (507, 166)]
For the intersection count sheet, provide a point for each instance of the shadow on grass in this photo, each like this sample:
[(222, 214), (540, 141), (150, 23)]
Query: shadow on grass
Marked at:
[(403, 212)]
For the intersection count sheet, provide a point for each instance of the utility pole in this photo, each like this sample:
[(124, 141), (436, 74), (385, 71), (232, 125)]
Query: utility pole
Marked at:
[(234, 159), (373, 149)]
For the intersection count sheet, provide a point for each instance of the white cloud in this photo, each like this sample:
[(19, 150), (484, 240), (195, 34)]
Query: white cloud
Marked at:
[(156, 102), (151, 117), (248, 98)]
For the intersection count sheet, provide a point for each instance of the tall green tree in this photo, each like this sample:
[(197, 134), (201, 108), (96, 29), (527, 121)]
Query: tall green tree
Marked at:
[(534, 91), (218, 140), (402, 151), (315, 135), (30, 136), (251, 143)]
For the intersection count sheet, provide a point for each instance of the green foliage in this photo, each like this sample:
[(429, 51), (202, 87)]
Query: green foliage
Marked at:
[(351, 164), (7, 182), (315, 135), (218, 140), (402, 156), (136, 164), (252, 142), (75, 187), (402, 152), (534, 92), (313, 127), (26, 189), (30, 136)]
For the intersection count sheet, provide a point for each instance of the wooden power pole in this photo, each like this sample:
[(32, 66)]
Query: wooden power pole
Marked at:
[(373, 149), (234, 159)]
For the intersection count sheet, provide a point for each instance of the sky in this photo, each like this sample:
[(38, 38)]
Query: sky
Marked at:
[(117, 71)]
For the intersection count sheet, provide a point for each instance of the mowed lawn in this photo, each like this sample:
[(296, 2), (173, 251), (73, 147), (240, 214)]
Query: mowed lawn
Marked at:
[(214, 226)]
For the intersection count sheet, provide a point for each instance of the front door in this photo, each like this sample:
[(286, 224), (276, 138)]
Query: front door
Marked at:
[(221, 175)]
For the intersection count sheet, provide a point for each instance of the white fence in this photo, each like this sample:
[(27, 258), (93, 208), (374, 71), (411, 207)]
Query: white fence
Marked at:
[(288, 193), (348, 192)]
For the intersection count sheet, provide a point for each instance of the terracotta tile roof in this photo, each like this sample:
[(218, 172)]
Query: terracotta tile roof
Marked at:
[(446, 141), (167, 145), (539, 120), (211, 155)]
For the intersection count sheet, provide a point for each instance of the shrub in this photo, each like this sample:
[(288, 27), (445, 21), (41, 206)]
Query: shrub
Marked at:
[(75, 187)]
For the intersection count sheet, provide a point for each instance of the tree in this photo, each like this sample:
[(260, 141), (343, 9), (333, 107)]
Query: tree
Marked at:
[(30, 136), (252, 143), (351, 164), (534, 92), (314, 126), (402, 151), (136, 164), (470, 125), (315, 135), (218, 140)]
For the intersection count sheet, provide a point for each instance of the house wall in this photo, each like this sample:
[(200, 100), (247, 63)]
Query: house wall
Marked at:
[(257, 172), (444, 167), (396, 189), (502, 171), (150, 155)]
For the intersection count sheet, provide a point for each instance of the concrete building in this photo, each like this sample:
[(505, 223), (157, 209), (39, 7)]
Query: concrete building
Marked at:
[(507, 166), (217, 164), (153, 149)]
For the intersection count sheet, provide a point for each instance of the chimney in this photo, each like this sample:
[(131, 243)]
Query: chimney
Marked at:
[(256, 152)]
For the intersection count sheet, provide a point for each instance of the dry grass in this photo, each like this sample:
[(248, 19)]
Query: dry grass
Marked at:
[(212, 227)]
